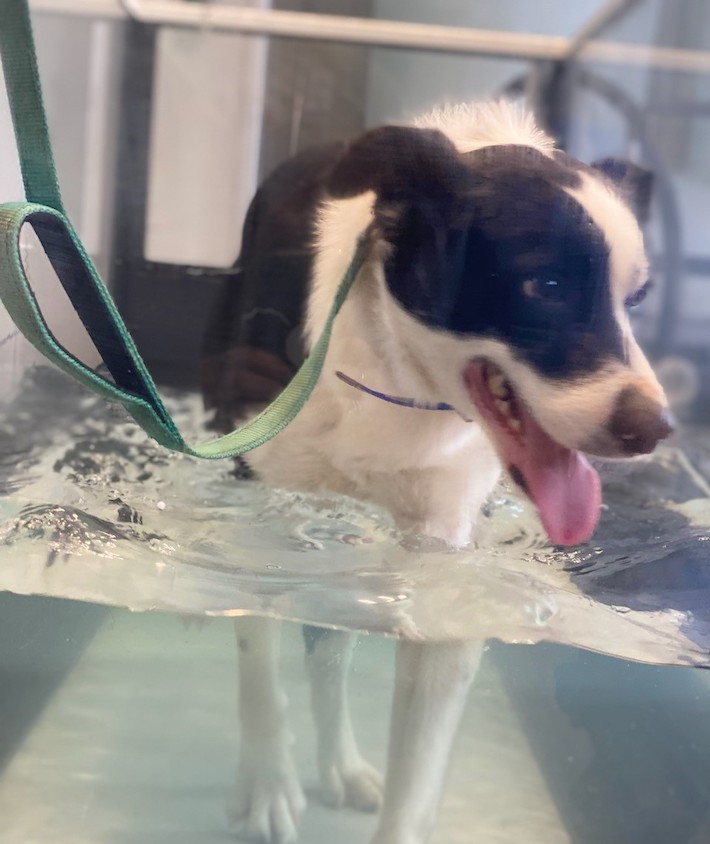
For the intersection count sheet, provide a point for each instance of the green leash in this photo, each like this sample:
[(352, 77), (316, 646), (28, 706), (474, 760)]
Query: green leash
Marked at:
[(133, 386)]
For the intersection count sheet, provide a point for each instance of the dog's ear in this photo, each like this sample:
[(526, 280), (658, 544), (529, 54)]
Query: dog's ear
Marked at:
[(634, 182), (397, 162)]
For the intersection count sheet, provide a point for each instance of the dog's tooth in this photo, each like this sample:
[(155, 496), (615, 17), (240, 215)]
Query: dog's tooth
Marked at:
[(503, 406), (515, 424), (497, 385)]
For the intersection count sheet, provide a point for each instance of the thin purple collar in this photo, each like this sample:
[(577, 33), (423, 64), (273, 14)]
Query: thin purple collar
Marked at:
[(402, 402)]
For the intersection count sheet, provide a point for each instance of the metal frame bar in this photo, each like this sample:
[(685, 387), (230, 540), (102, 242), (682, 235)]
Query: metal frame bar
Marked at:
[(381, 33)]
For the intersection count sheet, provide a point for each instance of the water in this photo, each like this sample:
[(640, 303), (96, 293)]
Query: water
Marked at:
[(120, 726), (93, 510)]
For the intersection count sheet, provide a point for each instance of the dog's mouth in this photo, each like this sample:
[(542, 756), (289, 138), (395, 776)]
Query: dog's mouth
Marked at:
[(560, 482)]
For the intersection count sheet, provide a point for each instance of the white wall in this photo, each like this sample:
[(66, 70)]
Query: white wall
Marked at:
[(78, 62), (205, 139)]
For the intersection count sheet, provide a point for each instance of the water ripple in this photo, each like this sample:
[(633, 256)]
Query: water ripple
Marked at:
[(91, 509)]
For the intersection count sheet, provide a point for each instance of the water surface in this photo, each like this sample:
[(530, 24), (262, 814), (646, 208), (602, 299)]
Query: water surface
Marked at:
[(91, 509)]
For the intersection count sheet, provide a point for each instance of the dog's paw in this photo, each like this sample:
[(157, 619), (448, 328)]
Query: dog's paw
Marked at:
[(268, 802), (351, 782)]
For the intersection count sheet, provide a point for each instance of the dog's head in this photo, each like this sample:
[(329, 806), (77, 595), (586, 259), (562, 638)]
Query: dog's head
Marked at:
[(511, 271)]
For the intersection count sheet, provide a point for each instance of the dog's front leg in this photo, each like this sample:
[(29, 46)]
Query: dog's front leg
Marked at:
[(346, 778), (430, 694), (269, 800)]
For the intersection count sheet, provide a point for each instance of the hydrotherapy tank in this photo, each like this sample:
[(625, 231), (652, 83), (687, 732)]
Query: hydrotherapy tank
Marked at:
[(122, 563)]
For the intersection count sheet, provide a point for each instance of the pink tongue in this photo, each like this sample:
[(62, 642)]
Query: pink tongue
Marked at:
[(561, 483)]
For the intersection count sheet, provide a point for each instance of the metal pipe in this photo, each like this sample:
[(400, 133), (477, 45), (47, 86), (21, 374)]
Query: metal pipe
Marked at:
[(97, 9), (376, 33), (607, 16), (319, 27)]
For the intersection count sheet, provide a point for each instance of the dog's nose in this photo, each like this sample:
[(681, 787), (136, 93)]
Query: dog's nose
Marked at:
[(639, 422)]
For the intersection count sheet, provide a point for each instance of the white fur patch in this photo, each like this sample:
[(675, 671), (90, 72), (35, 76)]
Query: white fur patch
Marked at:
[(628, 262), (475, 125)]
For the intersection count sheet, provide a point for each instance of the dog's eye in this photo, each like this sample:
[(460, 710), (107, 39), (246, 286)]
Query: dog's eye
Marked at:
[(548, 288), (636, 298)]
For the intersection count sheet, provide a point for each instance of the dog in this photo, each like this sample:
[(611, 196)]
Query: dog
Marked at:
[(498, 277)]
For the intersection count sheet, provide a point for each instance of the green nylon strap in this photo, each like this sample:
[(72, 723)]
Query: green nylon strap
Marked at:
[(133, 386), (19, 64)]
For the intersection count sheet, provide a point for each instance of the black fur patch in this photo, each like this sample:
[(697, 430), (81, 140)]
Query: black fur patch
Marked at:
[(261, 302), (398, 162), (487, 243), (502, 252)]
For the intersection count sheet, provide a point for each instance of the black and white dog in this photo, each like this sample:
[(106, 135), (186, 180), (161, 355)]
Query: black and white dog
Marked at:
[(498, 279)]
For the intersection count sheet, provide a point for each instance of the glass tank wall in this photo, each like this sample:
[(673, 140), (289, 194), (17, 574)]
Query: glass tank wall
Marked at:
[(125, 569)]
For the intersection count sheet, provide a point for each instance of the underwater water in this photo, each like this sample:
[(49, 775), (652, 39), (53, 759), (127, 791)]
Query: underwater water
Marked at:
[(120, 726)]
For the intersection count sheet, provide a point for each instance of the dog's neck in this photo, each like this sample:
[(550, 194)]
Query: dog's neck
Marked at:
[(368, 343)]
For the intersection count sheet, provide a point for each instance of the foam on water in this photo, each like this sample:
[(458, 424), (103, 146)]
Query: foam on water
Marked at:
[(91, 509)]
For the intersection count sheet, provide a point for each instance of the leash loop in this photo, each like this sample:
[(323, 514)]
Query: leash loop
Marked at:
[(43, 210)]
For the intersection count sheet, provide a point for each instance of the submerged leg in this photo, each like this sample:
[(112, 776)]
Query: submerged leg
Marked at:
[(430, 693), (269, 800), (346, 778)]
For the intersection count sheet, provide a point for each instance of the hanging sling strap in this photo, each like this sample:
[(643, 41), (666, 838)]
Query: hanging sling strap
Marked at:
[(43, 211)]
